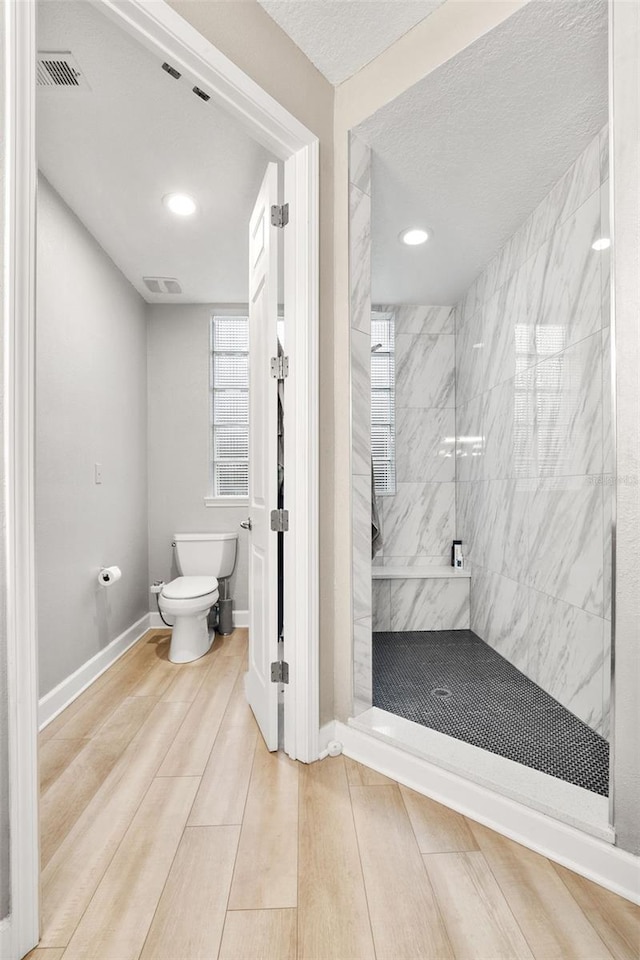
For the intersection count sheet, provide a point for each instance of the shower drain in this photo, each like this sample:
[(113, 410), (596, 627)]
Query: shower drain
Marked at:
[(443, 692)]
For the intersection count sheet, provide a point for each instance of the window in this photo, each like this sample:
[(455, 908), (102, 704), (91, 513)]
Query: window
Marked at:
[(229, 379), (383, 403)]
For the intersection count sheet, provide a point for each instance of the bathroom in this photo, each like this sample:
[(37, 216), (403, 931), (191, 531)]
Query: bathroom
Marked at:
[(142, 351), (481, 372)]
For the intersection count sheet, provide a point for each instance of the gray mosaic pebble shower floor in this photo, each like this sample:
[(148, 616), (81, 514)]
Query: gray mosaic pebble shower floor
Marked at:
[(453, 682)]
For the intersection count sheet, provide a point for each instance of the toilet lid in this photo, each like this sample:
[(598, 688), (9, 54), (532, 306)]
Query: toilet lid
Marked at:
[(188, 588)]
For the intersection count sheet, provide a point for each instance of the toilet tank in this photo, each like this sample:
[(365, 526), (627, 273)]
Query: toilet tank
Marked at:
[(206, 554)]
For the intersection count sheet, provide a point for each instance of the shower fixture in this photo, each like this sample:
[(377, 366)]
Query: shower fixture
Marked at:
[(376, 347)]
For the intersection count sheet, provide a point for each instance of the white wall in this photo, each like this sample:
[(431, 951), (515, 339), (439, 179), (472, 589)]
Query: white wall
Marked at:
[(90, 407), (178, 392)]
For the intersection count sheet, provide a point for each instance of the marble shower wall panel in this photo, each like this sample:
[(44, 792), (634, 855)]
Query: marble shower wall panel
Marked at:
[(568, 647), (410, 318), (359, 259), (381, 605), (362, 671), (360, 403), (419, 519), (534, 451), (438, 604), (425, 371), (500, 615), (360, 320), (421, 436)]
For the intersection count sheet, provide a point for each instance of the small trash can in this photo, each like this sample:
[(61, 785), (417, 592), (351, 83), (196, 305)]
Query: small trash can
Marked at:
[(225, 617)]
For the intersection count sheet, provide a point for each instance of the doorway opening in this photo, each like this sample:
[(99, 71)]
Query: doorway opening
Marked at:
[(183, 61)]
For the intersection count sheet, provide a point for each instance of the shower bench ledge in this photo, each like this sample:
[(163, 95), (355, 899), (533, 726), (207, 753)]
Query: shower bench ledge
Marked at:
[(419, 573)]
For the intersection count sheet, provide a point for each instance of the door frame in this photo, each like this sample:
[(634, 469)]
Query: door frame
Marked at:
[(158, 27)]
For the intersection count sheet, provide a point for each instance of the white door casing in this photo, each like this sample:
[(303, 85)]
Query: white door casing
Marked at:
[(261, 693)]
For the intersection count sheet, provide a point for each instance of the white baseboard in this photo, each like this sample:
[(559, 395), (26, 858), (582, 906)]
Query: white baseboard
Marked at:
[(240, 619), (6, 940), (589, 856), (61, 696), (326, 734)]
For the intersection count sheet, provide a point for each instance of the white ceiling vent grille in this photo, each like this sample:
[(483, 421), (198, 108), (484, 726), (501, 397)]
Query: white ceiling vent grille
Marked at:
[(60, 69), (162, 285)]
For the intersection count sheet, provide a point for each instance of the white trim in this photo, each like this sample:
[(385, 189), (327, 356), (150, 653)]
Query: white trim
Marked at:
[(549, 795), (432, 572), (326, 734), (240, 619), (301, 457), (157, 26), (6, 942), (590, 857), (226, 502), (66, 692), (161, 29), (18, 454)]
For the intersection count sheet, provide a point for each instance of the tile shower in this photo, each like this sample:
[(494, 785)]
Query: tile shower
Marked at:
[(503, 440)]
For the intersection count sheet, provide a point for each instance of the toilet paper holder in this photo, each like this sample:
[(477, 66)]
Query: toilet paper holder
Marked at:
[(109, 575)]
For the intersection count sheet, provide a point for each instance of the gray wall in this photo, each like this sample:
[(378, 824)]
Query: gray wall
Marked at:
[(533, 381), (178, 395), (91, 407), (5, 891)]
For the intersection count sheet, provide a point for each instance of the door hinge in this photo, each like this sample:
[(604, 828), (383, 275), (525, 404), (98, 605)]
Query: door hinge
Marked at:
[(280, 367), (280, 520), (280, 215), (280, 672)]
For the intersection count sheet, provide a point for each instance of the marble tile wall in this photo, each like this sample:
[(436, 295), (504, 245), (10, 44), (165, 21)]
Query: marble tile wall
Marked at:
[(418, 521), (534, 457), (421, 604), (360, 322)]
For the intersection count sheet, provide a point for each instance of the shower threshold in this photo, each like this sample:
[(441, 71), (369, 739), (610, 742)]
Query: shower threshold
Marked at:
[(453, 683)]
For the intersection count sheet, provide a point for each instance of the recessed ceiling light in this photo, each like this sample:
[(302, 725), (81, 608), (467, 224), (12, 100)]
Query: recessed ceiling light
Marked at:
[(602, 244), (415, 236), (180, 203)]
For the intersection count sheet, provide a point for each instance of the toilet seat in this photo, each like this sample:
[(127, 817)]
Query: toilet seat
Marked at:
[(189, 588)]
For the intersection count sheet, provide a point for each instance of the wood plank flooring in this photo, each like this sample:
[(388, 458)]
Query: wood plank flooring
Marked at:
[(170, 833)]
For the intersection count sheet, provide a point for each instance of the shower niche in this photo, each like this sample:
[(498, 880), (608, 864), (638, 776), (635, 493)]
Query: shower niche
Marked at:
[(481, 382)]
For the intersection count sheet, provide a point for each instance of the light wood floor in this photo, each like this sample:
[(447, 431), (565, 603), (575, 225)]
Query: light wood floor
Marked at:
[(170, 833)]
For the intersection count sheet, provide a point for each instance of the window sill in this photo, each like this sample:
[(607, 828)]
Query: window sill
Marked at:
[(226, 501)]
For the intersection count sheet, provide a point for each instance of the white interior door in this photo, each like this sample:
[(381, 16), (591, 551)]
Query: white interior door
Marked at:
[(261, 693)]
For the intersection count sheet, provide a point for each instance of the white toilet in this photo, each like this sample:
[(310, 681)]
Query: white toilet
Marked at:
[(202, 559)]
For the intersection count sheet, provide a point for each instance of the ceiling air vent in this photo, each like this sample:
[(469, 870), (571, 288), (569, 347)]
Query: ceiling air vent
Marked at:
[(59, 69), (162, 285)]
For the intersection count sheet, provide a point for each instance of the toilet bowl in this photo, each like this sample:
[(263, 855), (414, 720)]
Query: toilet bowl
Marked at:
[(202, 559), (188, 600)]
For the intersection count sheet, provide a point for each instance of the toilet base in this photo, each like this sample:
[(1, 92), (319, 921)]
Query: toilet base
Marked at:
[(190, 638)]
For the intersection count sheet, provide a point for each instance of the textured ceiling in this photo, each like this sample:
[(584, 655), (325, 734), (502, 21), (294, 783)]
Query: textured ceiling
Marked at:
[(474, 147), (112, 153), (341, 36)]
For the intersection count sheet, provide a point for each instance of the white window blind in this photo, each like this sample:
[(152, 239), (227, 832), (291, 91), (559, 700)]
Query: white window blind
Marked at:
[(383, 403), (229, 379)]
